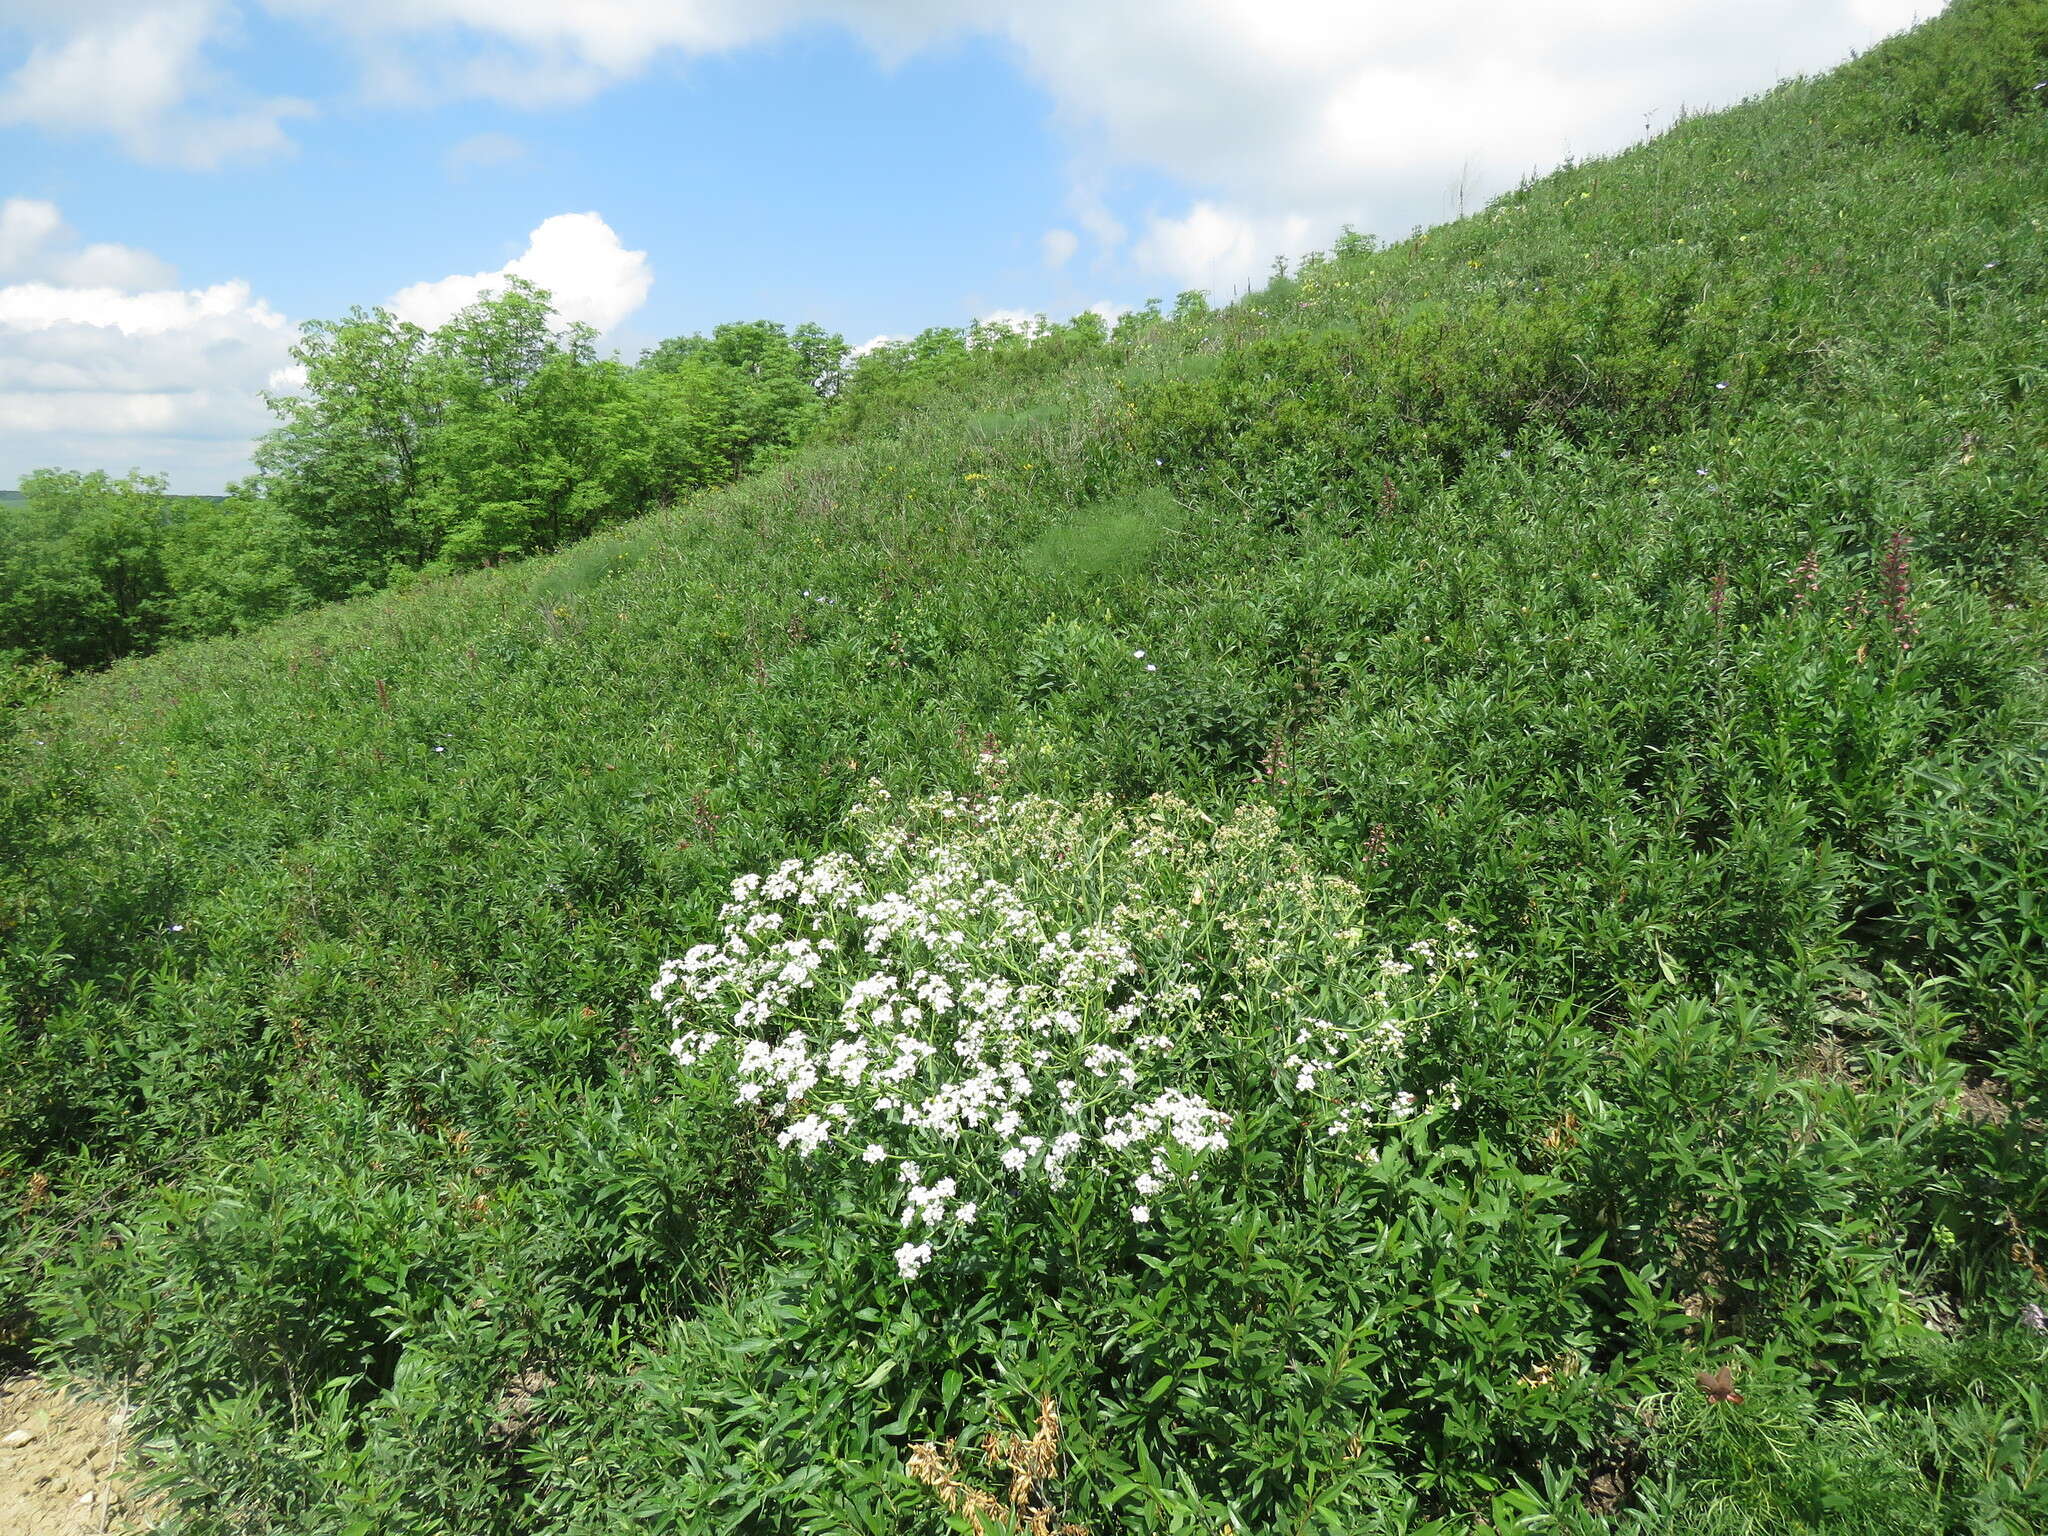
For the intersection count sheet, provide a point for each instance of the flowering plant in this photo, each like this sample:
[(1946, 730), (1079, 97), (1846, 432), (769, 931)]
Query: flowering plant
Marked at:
[(991, 992)]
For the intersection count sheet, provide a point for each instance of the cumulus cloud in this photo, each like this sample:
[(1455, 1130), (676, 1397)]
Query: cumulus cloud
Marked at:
[(36, 243), (169, 380), (1380, 114), (1292, 117), (1218, 248), (137, 70), (577, 257), (1365, 111), (1059, 246)]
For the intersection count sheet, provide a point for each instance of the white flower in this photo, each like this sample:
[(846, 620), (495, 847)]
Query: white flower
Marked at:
[(903, 999), (806, 1135)]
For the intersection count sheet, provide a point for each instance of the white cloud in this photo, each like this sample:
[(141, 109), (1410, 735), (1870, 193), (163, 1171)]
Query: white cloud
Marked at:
[(575, 256), (1371, 112), (1307, 106), (1059, 246), (1218, 248), (137, 70), (167, 381), (483, 151), (36, 243), (1296, 116), (1021, 322), (1025, 322)]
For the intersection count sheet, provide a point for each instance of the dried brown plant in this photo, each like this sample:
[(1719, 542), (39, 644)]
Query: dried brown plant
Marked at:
[(1032, 1462)]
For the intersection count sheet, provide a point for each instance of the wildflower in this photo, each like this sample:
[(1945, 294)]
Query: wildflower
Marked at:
[(1897, 577), (1722, 385), (2034, 1317), (1139, 655), (904, 1001), (806, 1135)]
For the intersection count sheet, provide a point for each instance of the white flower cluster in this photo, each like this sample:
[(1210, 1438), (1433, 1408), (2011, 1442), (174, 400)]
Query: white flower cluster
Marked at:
[(998, 992), (906, 1006), (1362, 1060)]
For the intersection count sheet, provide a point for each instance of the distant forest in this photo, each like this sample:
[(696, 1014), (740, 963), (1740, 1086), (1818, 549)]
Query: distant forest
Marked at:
[(411, 453)]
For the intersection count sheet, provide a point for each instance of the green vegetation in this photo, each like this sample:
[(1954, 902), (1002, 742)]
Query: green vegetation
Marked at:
[(412, 453), (1625, 606)]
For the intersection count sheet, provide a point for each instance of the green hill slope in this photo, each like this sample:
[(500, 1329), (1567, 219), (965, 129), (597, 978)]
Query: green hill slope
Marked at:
[(1593, 653)]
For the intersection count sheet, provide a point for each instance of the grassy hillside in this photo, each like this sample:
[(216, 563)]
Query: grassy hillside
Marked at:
[(1525, 747)]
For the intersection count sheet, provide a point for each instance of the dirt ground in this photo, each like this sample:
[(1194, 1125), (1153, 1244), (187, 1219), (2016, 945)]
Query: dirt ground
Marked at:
[(60, 1463)]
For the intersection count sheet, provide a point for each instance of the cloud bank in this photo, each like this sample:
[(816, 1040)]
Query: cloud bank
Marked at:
[(1282, 119), (577, 257), (138, 71), (1285, 118), (95, 375), (105, 363)]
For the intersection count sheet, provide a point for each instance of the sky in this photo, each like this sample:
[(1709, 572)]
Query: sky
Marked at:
[(184, 182)]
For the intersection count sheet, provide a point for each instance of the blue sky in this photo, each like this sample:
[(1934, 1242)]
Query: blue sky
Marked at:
[(183, 181)]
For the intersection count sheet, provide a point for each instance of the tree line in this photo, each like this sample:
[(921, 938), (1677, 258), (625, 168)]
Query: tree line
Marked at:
[(409, 452)]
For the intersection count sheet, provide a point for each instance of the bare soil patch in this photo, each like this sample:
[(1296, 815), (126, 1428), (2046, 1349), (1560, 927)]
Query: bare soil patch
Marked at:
[(61, 1463)]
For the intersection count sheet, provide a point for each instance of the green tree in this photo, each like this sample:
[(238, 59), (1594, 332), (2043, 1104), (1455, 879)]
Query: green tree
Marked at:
[(233, 563), (780, 380), (345, 462), (496, 435), (82, 577)]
